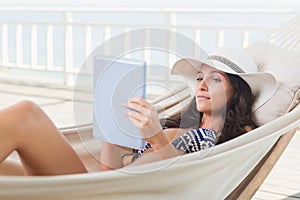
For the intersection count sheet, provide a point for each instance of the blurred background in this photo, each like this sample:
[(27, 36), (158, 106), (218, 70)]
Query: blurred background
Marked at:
[(46, 42)]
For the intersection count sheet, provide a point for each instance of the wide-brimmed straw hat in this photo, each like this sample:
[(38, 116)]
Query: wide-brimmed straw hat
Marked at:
[(233, 61)]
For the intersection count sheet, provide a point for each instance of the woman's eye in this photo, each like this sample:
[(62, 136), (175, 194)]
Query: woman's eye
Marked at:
[(216, 79), (211, 79), (199, 79)]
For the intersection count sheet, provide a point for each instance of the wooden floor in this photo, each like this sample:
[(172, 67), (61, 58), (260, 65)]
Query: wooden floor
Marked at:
[(284, 180), (282, 183)]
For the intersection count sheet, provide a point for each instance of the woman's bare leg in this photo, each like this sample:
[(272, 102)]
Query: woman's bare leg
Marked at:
[(11, 167), (42, 149)]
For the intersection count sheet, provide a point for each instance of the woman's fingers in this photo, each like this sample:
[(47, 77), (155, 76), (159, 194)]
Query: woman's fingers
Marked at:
[(140, 101), (138, 118), (137, 108), (140, 105), (140, 111), (144, 116)]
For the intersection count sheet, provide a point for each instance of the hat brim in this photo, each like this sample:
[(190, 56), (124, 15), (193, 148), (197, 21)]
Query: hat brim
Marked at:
[(263, 84)]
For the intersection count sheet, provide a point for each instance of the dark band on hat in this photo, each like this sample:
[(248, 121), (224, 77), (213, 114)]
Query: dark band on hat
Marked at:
[(227, 62)]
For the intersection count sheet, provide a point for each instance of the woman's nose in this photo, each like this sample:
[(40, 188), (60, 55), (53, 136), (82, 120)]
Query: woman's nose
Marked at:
[(202, 85)]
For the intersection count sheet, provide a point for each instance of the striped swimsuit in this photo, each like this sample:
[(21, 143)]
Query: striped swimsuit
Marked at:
[(192, 141)]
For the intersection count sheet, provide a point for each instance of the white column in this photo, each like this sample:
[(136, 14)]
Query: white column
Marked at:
[(221, 38), (68, 42), (197, 39), (34, 52), (126, 40), (107, 36), (88, 40), (147, 51), (4, 45), (245, 41), (49, 46), (19, 45)]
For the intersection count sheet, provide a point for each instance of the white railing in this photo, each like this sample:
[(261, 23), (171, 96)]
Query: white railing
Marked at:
[(60, 39)]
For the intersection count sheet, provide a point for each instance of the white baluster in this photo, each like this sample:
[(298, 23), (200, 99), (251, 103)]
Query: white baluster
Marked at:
[(4, 45), (19, 45), (33, 45), (49, 46)]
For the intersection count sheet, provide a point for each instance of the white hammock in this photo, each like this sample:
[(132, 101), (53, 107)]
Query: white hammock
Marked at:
[(209, 174)]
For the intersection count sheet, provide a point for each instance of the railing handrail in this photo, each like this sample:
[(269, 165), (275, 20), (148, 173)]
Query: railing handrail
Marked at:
[(148, 9)]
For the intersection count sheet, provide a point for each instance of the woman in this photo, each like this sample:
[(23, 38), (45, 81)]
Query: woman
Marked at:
[(221, 110)]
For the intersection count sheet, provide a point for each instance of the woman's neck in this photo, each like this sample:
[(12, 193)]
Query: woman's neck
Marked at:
[(214, 122)]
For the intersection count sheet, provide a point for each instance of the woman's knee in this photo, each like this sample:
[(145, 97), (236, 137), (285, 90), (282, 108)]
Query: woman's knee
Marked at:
[(26, 121), (27, 113), (16, 121), (28, 108)]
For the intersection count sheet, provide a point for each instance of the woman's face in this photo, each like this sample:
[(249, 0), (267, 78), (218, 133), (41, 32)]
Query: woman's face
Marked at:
[(213, 90)]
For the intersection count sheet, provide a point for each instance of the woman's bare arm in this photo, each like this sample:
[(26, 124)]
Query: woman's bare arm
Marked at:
[(111, 156)]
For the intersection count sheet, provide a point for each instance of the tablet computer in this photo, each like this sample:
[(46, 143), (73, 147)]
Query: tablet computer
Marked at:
[(115, 81)]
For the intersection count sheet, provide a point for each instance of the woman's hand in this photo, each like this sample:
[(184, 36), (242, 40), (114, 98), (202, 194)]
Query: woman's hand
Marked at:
[(145, 117)]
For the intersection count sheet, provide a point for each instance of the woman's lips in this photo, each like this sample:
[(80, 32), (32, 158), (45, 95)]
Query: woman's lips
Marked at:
[(202, 97)]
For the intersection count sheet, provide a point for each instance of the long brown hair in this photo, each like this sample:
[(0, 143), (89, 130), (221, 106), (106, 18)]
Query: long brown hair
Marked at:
[(238, 112)]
